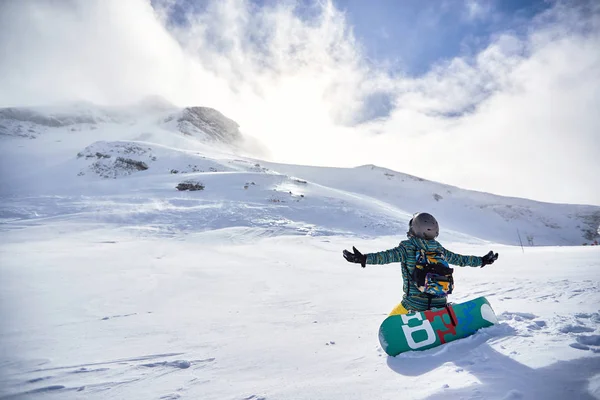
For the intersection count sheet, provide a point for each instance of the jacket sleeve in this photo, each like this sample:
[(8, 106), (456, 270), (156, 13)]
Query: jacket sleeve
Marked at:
[(463, 261), (397, 254)]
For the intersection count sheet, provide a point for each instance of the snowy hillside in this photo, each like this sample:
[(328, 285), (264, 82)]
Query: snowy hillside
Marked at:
[(156, 146), (144, 255), (202, 123)]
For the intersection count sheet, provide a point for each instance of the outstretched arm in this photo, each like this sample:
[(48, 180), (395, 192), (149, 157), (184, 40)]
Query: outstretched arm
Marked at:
[(463, 261), (397, 254)]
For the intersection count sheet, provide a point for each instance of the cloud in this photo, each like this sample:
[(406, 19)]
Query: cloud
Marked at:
[(477, 9), (518, 118)]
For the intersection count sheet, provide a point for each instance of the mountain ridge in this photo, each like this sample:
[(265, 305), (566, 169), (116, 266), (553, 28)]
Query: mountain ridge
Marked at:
[(203, 123), (145, 151)]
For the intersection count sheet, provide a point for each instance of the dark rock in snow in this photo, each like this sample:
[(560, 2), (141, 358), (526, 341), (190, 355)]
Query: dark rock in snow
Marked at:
[(128, 164), (190, 185)]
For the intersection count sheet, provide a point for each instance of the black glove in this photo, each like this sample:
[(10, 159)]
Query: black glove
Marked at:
[(489, 258), (356, 257)]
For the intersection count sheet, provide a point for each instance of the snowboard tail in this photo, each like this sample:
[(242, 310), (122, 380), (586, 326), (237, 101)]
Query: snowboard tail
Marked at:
[(427, 329)]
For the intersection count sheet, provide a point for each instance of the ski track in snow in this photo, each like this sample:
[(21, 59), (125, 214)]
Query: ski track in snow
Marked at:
[(97, 377)]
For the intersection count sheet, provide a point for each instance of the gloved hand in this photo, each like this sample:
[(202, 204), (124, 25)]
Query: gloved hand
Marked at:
[(489, 258), (356, 257)]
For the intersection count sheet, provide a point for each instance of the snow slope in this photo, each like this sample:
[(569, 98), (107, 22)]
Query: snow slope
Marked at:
[(118, 286)]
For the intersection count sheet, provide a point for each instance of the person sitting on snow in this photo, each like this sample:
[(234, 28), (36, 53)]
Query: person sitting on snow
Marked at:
[(425, 271)]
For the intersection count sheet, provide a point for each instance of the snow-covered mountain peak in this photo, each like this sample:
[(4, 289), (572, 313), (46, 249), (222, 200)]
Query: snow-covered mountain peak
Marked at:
[(205, 123), (201, 123)]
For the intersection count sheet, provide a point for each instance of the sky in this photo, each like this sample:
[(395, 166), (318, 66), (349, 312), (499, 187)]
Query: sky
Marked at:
[(496, 96)]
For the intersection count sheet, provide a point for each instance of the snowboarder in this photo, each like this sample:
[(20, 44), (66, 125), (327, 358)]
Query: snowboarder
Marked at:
[(425, 272)]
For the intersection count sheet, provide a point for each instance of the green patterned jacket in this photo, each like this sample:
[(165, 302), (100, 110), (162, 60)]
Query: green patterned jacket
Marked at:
[(405, 253)]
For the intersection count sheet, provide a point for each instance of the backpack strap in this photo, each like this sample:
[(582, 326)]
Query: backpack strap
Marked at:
[(423, 257), (447, 306)]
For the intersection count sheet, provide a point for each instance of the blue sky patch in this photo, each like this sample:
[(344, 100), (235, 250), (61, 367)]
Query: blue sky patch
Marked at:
[(415, 34)]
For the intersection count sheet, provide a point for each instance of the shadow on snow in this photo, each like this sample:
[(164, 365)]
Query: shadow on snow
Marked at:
[(499, 375)]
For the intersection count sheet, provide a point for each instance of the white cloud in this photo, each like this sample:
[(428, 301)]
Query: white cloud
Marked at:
[(519, 118), (478, 9)]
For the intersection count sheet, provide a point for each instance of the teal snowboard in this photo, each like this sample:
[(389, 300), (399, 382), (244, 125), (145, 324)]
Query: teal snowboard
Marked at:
[(427, 329)]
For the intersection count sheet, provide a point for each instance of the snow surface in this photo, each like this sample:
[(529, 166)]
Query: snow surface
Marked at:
[(115, 285)]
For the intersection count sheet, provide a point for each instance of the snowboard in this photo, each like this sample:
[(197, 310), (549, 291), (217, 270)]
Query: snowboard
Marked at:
[(428, 329)]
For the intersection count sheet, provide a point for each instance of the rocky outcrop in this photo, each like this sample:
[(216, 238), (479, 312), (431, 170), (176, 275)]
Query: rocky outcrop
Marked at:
[(591, 225), (208, 122), (116, 159), (191, 186)]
